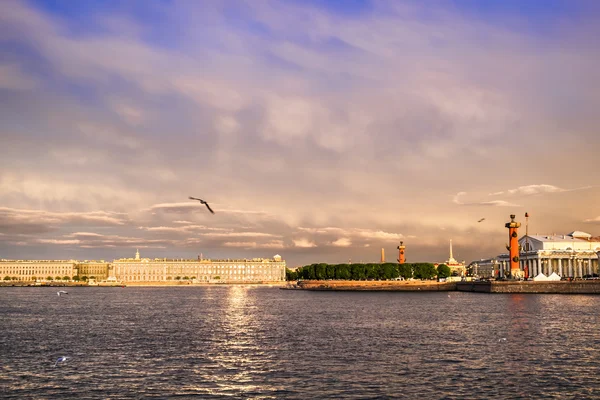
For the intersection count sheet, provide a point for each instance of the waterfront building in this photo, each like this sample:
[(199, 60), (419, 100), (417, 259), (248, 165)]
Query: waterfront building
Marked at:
[(37, 270), (484, 268), (574, 255), (203, 270), (139, 269), (98, 270)]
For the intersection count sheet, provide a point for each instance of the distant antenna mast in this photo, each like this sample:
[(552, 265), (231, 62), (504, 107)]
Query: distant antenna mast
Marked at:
[(526, 245)]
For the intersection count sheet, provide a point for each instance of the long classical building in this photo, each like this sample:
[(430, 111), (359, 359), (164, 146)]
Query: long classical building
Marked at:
[(35, 270), (210, 271), (574, 255), (149, 270)]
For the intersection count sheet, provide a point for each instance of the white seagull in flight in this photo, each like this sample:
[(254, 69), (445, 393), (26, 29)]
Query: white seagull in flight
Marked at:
[(60, 360), (61, 292)]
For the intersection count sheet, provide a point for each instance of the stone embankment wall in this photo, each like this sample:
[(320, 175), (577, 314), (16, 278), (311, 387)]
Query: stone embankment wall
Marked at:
[(560, 287), (408, 286)]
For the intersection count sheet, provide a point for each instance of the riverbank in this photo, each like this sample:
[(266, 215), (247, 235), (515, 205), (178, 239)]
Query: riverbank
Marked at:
[(405, 286), (557, 287), (134, 284), (187, 284)]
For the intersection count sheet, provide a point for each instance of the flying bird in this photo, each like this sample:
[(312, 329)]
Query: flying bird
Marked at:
[(61, 292), (481, 219), (203, 202), (60, 360)]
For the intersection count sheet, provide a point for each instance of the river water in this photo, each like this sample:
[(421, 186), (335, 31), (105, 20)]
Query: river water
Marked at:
[(262, 342)]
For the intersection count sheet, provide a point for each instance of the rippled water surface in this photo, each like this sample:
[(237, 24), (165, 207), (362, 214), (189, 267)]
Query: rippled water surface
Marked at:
[(262, 342)]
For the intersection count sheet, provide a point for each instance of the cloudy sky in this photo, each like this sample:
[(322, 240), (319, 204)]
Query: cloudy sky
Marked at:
[(322, 131)]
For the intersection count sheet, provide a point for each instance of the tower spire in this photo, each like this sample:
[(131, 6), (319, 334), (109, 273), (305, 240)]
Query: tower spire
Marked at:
[(451, 249)]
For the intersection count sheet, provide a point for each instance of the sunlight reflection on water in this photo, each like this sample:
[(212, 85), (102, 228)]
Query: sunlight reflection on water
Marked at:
[(248, 341)]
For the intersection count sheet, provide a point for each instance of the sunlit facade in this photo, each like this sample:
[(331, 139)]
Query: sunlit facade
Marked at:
[(204, 271), (98, 270), (255, 270), (35, 270), (574, 255)]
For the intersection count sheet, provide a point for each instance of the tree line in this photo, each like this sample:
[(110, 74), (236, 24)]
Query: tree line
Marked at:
[(370, 271)]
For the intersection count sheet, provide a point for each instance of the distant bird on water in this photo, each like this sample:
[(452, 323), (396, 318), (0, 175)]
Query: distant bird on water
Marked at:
[(203, 202), (482, 219), (60, 292), (60, 360)]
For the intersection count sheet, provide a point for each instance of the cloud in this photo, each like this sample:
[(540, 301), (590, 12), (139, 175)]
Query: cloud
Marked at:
[(537, 189), (240, 244), (597, 219), (13, 78), (58, 241), (498, 203), (342, 242), (457, 196), (40, 221), (493, 203), (304, 243)]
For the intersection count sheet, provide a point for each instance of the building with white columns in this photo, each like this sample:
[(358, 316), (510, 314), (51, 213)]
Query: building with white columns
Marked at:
[(574, 255)]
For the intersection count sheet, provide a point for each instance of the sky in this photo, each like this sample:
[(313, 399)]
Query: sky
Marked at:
[(322, 131)]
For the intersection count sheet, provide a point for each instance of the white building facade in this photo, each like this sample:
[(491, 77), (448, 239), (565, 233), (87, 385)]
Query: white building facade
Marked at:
[(574, 255)]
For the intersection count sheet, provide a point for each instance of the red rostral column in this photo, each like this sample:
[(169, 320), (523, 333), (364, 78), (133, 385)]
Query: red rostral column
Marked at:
[(401, 258), (513, 248)]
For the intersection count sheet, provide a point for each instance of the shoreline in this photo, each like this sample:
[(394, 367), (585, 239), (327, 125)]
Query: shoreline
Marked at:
[(406, 286), (137, 284), (522, 287)]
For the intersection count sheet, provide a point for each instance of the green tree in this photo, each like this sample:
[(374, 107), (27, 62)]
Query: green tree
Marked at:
[(49, 278), (389, 271), (185, 278), (372, 271), (342, 271), (405, 270), (321, 271), (359, 272), (330, 271), (178, 278), (443, 271), (291, 275), (424, 271), (66, 278), (7, 278), (84, 278)]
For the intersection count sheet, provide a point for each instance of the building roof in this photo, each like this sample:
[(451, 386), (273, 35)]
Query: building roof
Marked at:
[(576, 236), (579, 234)]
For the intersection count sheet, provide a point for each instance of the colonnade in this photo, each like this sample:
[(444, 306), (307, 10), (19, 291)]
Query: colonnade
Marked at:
[(568, 266)]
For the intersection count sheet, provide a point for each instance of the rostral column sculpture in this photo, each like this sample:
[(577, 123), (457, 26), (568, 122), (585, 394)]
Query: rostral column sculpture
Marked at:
[(513, 248)]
